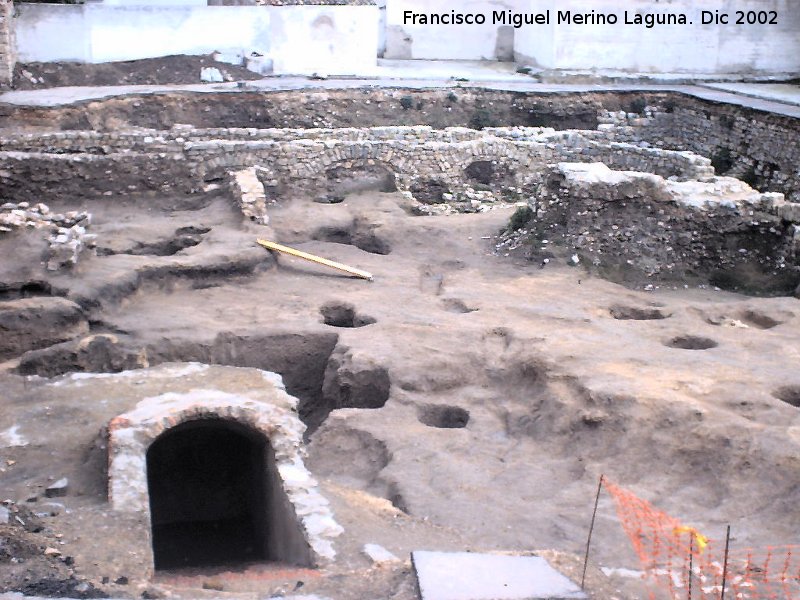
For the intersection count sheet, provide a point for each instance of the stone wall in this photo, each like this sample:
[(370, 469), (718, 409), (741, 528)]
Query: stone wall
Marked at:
[(759, 148), (35, 166), (8, 56), (42, 177)]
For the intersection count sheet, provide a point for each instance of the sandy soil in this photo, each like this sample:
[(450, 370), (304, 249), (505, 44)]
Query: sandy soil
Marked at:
[(475, 408)]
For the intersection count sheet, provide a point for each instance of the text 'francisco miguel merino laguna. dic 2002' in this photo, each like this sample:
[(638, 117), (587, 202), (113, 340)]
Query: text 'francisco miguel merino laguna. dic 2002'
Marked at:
[(561, 17)]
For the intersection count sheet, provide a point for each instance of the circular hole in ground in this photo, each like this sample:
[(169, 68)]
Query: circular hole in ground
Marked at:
[(339, 314), (692, 342), (443, 417), (634, 313), (789, 394)]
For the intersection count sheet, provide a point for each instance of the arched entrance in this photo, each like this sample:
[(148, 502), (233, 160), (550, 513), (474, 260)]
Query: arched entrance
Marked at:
[(219, 477), (209, 495)]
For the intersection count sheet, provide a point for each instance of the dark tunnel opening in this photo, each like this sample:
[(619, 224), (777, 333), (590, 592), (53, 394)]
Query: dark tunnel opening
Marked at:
[(208, 489)]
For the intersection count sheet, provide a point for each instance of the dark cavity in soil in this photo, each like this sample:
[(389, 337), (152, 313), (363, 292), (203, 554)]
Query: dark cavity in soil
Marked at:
[(789, 394), (28, 289), (443, 417), (338, 314), (633, 313), (692, 342)]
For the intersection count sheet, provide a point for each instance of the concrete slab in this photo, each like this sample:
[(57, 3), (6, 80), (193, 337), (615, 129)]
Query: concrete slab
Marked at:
[(781, 99), (471, 576), (778, 92), (472, 70)]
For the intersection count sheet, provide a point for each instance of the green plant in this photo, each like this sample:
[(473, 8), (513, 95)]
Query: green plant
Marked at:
[(481, 119), (637, 106), (406, 102), (520, 218)]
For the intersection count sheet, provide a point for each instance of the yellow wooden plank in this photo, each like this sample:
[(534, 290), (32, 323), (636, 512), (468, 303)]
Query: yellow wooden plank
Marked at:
[(315, 259)]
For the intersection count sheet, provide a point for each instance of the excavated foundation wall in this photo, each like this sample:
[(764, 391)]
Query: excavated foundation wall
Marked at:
[(632, 225), (757, 146), (644, 133), (68, 163)]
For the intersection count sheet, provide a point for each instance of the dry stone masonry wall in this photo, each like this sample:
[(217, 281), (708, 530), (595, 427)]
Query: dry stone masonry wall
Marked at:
[(756, 146), (465, 169), (759, 148), (181, 159)]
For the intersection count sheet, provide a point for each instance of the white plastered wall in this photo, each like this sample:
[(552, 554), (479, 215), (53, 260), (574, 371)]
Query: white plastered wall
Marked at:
[(299, 39), (325, 39), (446, 42), (695, 48)]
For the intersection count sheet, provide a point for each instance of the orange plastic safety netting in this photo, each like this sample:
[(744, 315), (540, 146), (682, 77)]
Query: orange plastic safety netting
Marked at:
[(683, 563)]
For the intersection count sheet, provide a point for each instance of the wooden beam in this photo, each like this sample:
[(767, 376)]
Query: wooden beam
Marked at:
[(315, 259)]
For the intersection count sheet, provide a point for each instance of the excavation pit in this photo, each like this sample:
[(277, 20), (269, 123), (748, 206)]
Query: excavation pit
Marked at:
[(338, 314), (759, 320), (691, 342), (789, 394), (537, 357), (633, 313), (443, 417)]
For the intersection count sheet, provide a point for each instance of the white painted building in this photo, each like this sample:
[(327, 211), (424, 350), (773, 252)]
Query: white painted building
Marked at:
[(757, 48), (298, 39), (345, 40)]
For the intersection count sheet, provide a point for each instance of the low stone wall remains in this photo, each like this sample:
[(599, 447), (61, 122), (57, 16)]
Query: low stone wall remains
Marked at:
[(718, 229), (36, 165), (756, 147)]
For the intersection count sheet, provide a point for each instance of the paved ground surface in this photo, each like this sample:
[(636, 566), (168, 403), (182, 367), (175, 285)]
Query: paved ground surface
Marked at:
[(776, 92), (781, 99)]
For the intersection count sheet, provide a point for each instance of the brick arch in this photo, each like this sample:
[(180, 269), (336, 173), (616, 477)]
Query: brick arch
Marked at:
[(131, 435)]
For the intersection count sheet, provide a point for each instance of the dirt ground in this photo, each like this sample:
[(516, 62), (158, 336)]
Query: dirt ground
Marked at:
[(152, 71), (483, 394), (466, 399)]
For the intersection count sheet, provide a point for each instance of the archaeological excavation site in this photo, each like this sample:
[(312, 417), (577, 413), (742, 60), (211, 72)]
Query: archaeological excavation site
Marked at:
[(565, 285)]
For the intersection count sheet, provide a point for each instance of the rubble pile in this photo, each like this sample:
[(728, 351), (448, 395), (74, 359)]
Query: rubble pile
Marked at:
[(68, 235), (717, 228)]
